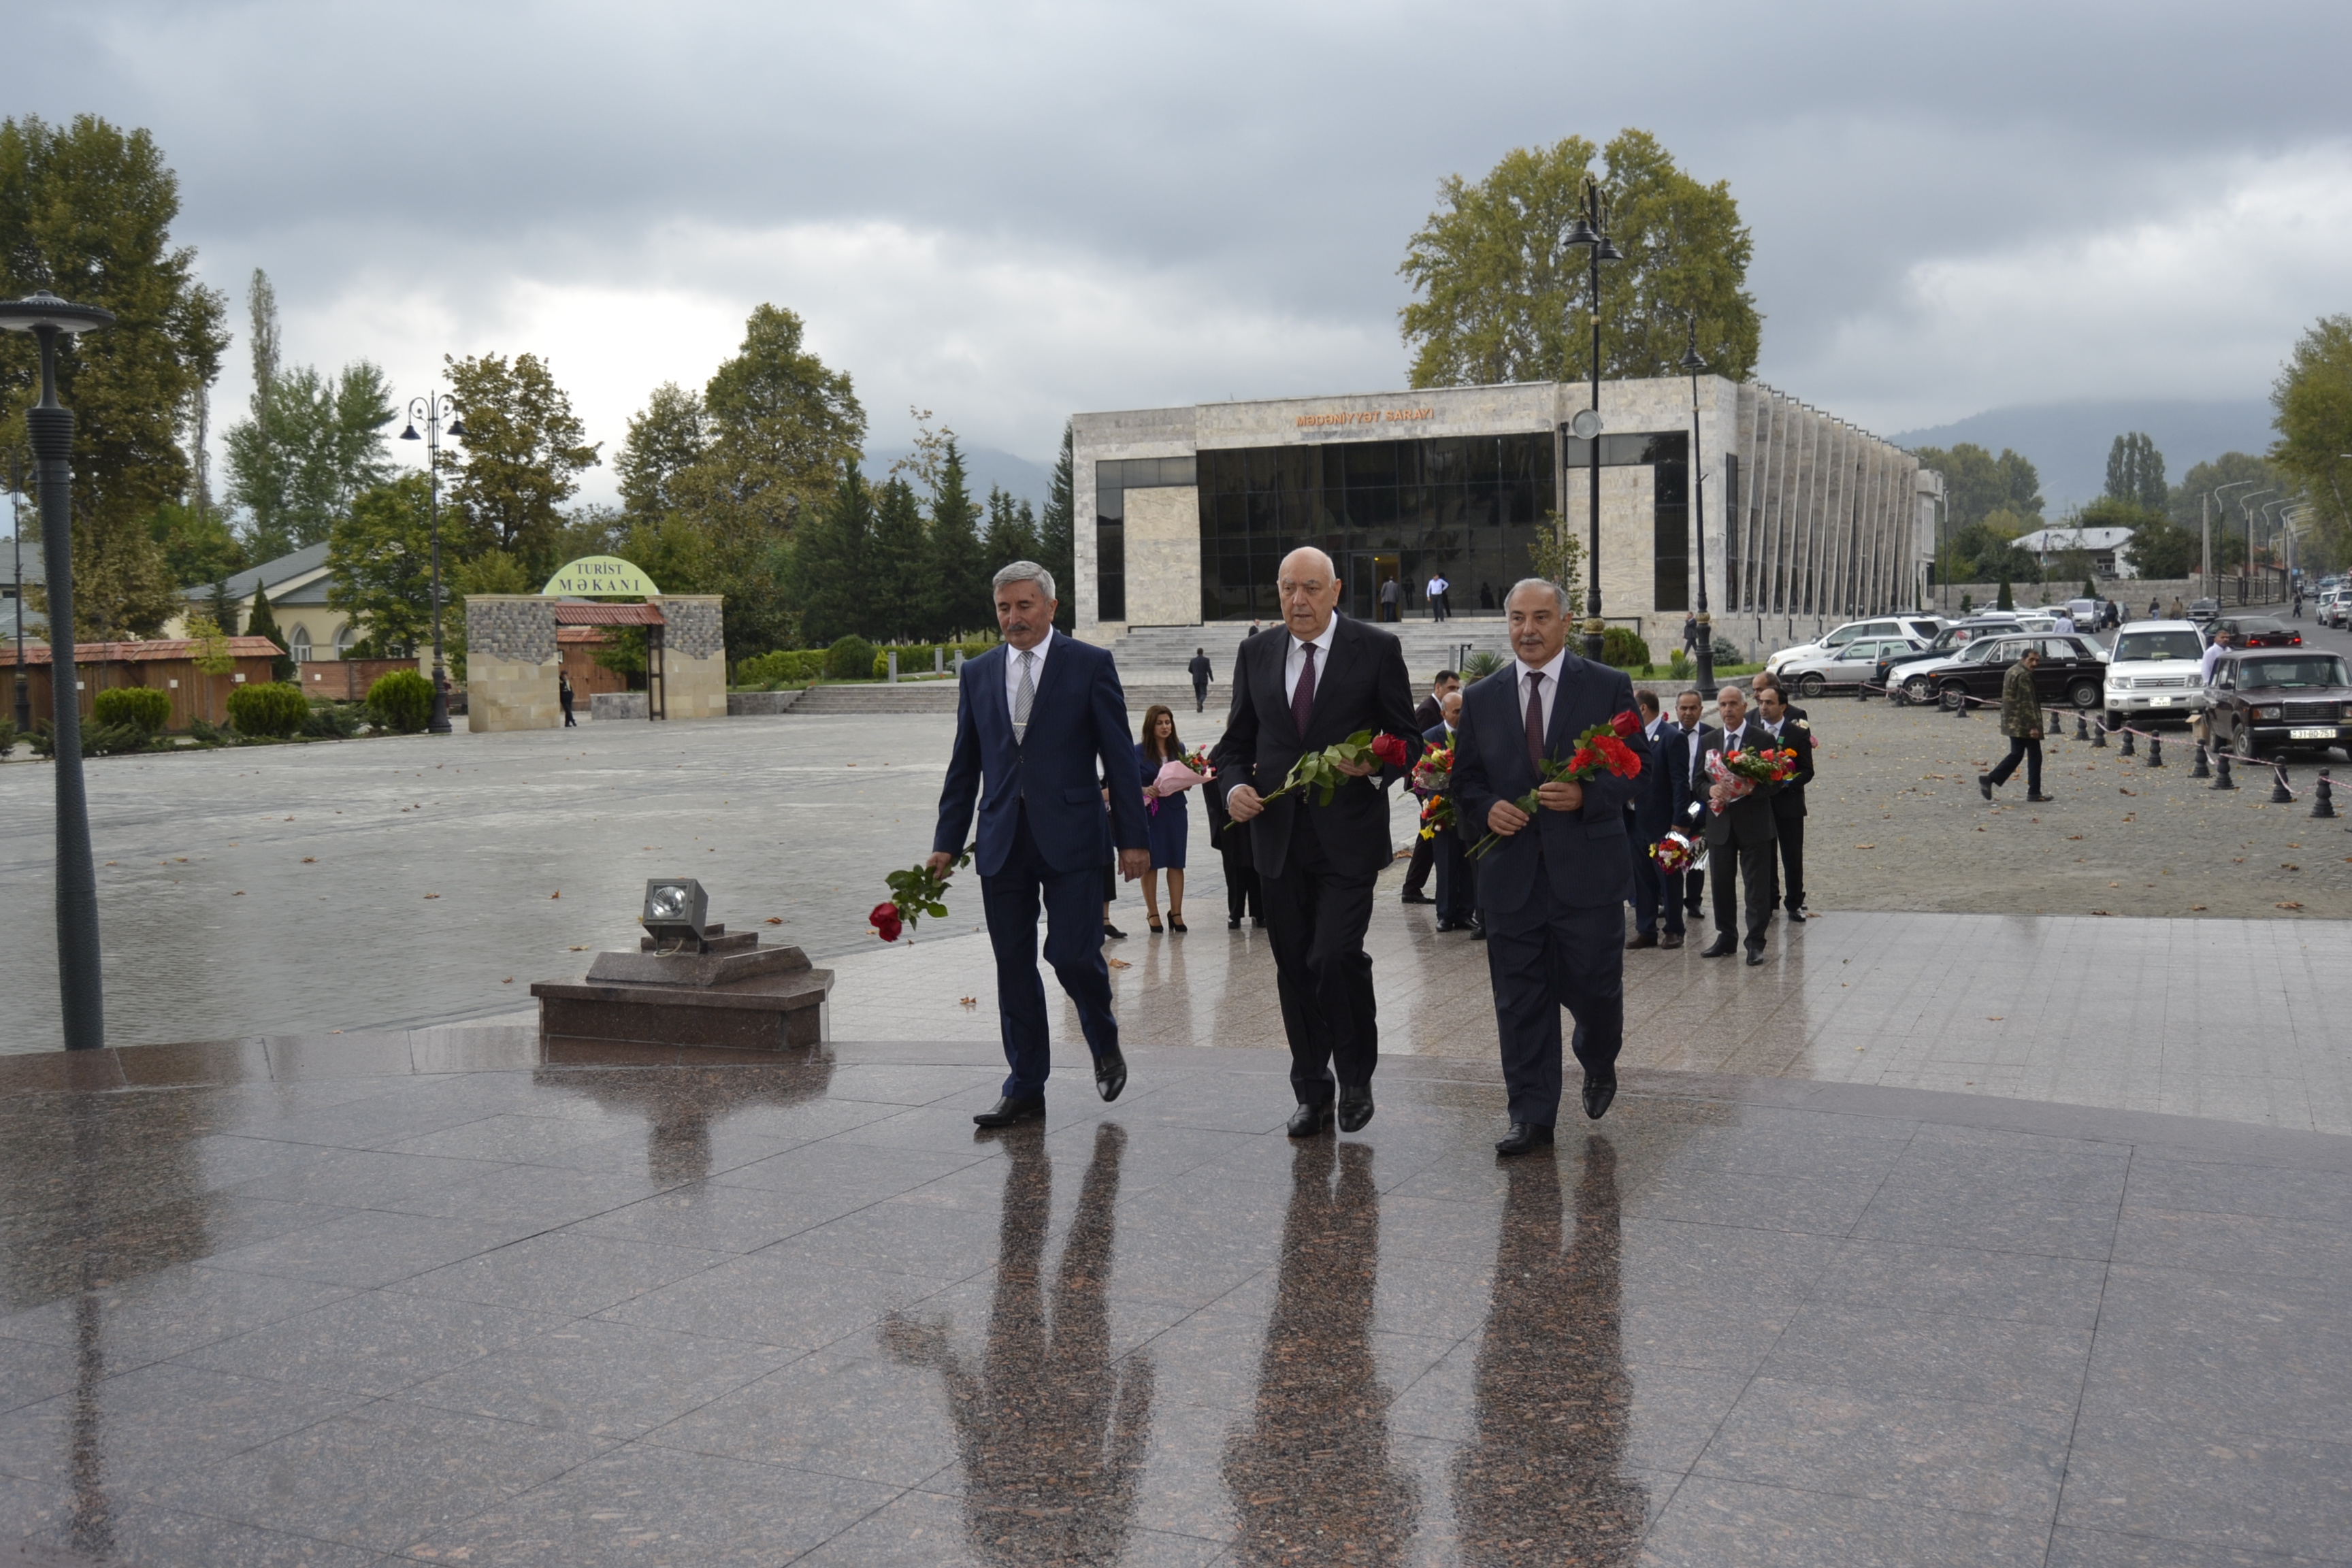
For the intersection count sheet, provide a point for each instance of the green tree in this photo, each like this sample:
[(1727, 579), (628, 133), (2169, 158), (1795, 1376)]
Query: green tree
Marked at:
[(309, 443), (2211, 490), (198, 547), (519, 459), (2312, 399), (2136, 471), (222, 610), (899, 565), (663, 442), (956, 574), (830, 560), (263, 623), (1011, 531), (1056, 531), (1501, 299), (85, 210), (380, 555), (2159, 547), (781, 426), (1977, 484)]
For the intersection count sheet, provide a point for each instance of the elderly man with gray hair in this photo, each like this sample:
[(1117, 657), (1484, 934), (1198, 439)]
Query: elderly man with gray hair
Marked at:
[(1040, 722)]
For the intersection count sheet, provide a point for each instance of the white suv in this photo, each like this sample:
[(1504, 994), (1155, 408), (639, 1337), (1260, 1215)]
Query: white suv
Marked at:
[(2153, 672), (1922, 627)]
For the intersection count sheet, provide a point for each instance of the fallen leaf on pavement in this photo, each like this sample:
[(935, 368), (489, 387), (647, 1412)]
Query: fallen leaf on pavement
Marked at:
[(1114, 962), (2287, 906), (774, 920)]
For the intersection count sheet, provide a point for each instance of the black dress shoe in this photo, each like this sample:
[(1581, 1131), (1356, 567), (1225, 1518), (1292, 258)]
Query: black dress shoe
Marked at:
[(1234, 923), (1011, 1112), (1984, 786), (1755, 954), (1642, 938), (1355, 1107), (1309, 1120), (1721, 947), (1110, 1074), (1597, 1096), (1672, 938), (1477, 931), (1449, 925), (2041, 799), (1524, 1137), (1411, 897), (1112, 932)]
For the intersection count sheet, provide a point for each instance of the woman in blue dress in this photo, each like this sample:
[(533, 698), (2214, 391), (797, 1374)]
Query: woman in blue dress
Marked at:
[(1168, 816)]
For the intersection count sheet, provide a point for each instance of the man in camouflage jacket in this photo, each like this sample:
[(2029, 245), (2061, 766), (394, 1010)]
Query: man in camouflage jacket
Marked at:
[(2021, 720)]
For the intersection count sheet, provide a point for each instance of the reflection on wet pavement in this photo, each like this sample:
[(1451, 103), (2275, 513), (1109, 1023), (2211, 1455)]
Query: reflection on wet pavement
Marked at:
[(494, 1299)]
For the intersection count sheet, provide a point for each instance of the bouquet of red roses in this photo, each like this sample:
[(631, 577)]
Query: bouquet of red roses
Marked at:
[(914, 893), (1600, 750), (1319, 771), (1180, 774), (1740, 771)]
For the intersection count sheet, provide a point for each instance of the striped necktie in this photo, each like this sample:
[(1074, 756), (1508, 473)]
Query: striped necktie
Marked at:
[(1025, 697)]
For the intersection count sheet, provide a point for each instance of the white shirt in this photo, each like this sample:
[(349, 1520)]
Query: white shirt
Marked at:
[(2065, 624), (1295, 662), (1740, 740), (2213, 651), (1650, 730), (1687, 743), (1036, 669), (1550, 672), (1438, 585)]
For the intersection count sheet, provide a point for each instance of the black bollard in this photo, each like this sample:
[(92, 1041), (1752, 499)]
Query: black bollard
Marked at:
[(2099, 734), (2128, 750), (2221, 772), (2156, 751), (2322, 797), (2280, 793), (1960, 704), (2201, 771), (2081, 725)]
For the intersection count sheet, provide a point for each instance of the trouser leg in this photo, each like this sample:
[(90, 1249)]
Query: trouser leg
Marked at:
[(1647, 890), (2000, 774), (1073, 942), (1792, 861), (1010, 900), (1317, 917), (1756, 872), (2033, 766), (1527, 1010), (1417, 875)]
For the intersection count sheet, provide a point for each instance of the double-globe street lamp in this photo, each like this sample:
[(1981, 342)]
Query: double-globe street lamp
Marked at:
[(80, 1000), (1696, 367), (429, 409), (1590, 234)]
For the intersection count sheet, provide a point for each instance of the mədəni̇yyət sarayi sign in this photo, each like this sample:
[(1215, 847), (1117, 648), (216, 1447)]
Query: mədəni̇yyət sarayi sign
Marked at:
[(594, 574), (1365, 417)]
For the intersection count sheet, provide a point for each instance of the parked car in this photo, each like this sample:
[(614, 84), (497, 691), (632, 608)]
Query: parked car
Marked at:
[(1846, 669), (2205, 612), (1922, 627), (1946, 644), (2263, 699), (2259, 631), (2336, 608), (2152, 672), (2073, 670), (2085, 612)]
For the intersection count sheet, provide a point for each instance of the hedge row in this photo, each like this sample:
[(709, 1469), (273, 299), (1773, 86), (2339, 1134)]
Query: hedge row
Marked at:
[(851, 659)]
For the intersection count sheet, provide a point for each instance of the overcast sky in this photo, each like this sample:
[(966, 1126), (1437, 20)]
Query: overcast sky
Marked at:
[(1011, 212)]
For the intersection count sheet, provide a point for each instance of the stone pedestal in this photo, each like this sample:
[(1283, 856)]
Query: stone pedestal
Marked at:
[(731, 993)]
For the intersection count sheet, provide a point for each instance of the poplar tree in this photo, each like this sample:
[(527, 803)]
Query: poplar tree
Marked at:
[(2136, 471)]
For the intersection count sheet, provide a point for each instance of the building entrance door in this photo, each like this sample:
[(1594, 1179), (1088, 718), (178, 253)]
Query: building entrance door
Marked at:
[(1367, 573)]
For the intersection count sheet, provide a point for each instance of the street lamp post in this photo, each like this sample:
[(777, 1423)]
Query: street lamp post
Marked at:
[(80, 1000), (430, 409), (2216, 495), (1590, 232), (16, 527), (1696, 366), (2246, 566)]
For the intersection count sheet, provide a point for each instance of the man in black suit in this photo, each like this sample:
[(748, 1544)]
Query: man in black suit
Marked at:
[(1457, 874), (1644, 825), (1300, 688), (1551, 890), (1681, 787), (1426, 716), (1201, 673), (1790, 728), (1739, 838)]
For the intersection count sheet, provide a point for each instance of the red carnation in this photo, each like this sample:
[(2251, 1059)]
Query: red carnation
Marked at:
[(885, 913), (1390, 750), (1627, 724)]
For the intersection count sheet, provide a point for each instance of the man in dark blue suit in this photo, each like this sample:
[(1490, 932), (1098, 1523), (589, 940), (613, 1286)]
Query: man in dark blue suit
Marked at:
[(1040, 721), (1551, 889), (1679, 794), (1457, 874)]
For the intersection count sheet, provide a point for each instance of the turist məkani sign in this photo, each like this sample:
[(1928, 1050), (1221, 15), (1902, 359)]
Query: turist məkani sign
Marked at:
[(596, 574), (1365, 417)]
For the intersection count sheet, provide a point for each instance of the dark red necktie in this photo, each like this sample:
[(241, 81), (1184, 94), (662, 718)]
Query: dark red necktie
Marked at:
[(1302, 696), (1535, 718)]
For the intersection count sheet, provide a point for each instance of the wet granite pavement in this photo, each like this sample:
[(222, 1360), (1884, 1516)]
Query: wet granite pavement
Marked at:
[(462, 1296)]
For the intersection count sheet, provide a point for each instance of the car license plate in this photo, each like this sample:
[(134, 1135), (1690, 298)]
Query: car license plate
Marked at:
[(2159, 702), (2327, 734)]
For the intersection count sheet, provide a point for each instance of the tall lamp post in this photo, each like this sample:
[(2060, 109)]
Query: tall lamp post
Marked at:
[(430, 408), (2246, 566), (1590, 232), (51, 426), (2217, 496), (1696, 366), (16, 527)]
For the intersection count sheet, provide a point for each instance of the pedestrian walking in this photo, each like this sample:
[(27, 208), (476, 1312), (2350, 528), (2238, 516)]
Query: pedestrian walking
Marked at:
[(564, 695), (1202, 674), (1690, 635), (2021, 720)]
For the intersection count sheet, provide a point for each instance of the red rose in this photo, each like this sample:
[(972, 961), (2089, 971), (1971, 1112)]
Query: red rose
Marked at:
[(885, 913), (1627, 724), (888, 929), (1390, 750)]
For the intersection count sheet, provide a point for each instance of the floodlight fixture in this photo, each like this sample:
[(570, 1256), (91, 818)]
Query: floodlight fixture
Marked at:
[(676, 912)]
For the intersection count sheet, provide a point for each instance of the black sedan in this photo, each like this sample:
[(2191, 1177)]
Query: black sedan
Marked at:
[(2281, 701), (1948, 645), (2258, 631), (2070, 673)]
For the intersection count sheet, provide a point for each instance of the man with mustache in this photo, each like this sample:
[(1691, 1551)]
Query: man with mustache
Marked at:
[(1551, 889), (1035, 717)]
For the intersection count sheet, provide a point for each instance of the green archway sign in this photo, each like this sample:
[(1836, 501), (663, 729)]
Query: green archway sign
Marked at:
[(592, 576)]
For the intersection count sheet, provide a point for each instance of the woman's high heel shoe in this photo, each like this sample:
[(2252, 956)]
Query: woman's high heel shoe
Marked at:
[(1154, 921), (1175, 920)]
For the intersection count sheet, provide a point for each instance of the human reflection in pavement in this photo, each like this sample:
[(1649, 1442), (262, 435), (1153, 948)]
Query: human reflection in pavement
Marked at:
[(1312, 1479), (1538, 1480), (680, 1104), (1050, 1430)]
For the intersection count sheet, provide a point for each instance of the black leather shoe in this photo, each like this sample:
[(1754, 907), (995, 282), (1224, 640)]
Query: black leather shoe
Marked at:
[(1011, 1112), (1411, 897), (1644, 939), (1110, 1074), (1672, 938), (2042, 799), (1449, 925), (1477, 931), (1525, 1138), (1309, 1120), (1112, 932), (1721, 947), (1984, 786), (1355, 1108), (1755, 954), (1597, 1097)]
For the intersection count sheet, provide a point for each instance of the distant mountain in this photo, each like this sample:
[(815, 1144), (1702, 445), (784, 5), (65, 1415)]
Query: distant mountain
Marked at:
[(983, 467), (2068, 442)]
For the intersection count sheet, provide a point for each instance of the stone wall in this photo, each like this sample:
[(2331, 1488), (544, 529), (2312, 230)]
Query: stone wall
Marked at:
[(510, 663), (1163, 556), (694, 657)]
